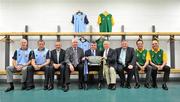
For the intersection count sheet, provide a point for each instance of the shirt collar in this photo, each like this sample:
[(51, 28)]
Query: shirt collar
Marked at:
[(41, 49), (58, 49), (157, 50), (140, 50), (23, 49)]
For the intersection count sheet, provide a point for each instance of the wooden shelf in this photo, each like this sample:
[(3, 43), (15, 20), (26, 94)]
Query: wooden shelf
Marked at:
[(89, 33)]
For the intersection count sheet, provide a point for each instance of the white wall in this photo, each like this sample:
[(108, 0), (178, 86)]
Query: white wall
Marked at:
[(45, 15)]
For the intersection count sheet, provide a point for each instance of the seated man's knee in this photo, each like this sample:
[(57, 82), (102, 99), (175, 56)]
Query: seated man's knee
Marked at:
[(47, 68), (24, 69), (167, 68), (9, 68), (30, 68), (112, 69)]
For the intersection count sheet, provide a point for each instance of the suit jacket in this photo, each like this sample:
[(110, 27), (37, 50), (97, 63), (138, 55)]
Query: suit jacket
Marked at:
[(111, 58), (89, 53), (70, 53), (130, 56), (61, 57)]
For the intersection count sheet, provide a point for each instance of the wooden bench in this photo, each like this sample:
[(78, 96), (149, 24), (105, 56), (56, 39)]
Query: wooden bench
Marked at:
[(3, 72)]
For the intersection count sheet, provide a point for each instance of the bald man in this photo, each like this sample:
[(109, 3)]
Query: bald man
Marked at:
[(74, 60), (20, 61), (58, 64)]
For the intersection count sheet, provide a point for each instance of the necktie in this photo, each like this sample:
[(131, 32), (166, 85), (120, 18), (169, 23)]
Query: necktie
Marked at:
[(58, 53), (75, 57), (106, 52), (94, 53)]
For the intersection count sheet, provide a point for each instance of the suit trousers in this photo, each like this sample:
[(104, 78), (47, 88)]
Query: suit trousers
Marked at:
[(109, 73)]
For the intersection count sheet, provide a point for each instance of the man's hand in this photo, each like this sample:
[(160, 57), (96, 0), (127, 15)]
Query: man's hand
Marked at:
[(130, 67), (102, 58), (143, 67), (36, 67), (160, 67), (18, 67), (56, 66), (71, 67)]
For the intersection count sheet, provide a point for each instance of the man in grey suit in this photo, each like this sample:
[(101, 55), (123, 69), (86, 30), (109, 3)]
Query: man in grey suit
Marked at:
[(74, 60), (126, 61)]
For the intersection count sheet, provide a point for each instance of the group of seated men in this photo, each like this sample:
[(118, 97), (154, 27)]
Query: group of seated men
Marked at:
[(113, 62)]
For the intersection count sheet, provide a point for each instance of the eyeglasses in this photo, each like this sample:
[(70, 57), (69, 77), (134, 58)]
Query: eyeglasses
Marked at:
[(93, 45)]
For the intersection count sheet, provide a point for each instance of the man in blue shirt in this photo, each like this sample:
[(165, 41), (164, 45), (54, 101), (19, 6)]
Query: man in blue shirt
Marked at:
[(40, 62), (21, 60)]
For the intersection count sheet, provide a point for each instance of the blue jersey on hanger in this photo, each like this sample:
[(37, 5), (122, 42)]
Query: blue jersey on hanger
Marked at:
[(84, 45), (80, 21)]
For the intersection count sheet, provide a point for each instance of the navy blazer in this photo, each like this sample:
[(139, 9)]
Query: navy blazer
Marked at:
[(111, 58), (61, 56), (89, 53)]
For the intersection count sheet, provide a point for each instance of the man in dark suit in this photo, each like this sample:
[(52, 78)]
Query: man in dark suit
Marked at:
[(126, 61), (58, 64), (94, 52), (109, 64), (73, 59)]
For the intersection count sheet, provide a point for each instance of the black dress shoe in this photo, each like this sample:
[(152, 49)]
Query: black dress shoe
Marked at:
[(146, 85), (24, 86), (80, 86), (9, 89), (63, 86), (51, 87), (154, 86), (66, 88), (85, 86), (45, 87), (128, 86), (164, 86), (137, 86), (113, 87), (122, 85), (110, 86), (99, 86), (30, 87)]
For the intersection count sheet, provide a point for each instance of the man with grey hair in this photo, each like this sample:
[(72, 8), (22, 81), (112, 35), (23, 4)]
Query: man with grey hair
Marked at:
[(20, 61), (126, 61), (73, 59), (109, 64)]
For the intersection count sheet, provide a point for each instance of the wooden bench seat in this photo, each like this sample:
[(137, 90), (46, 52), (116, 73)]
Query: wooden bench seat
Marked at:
[(3, 72)]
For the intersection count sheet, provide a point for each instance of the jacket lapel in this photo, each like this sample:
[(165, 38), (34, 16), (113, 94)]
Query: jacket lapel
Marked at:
[(127, 53)]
